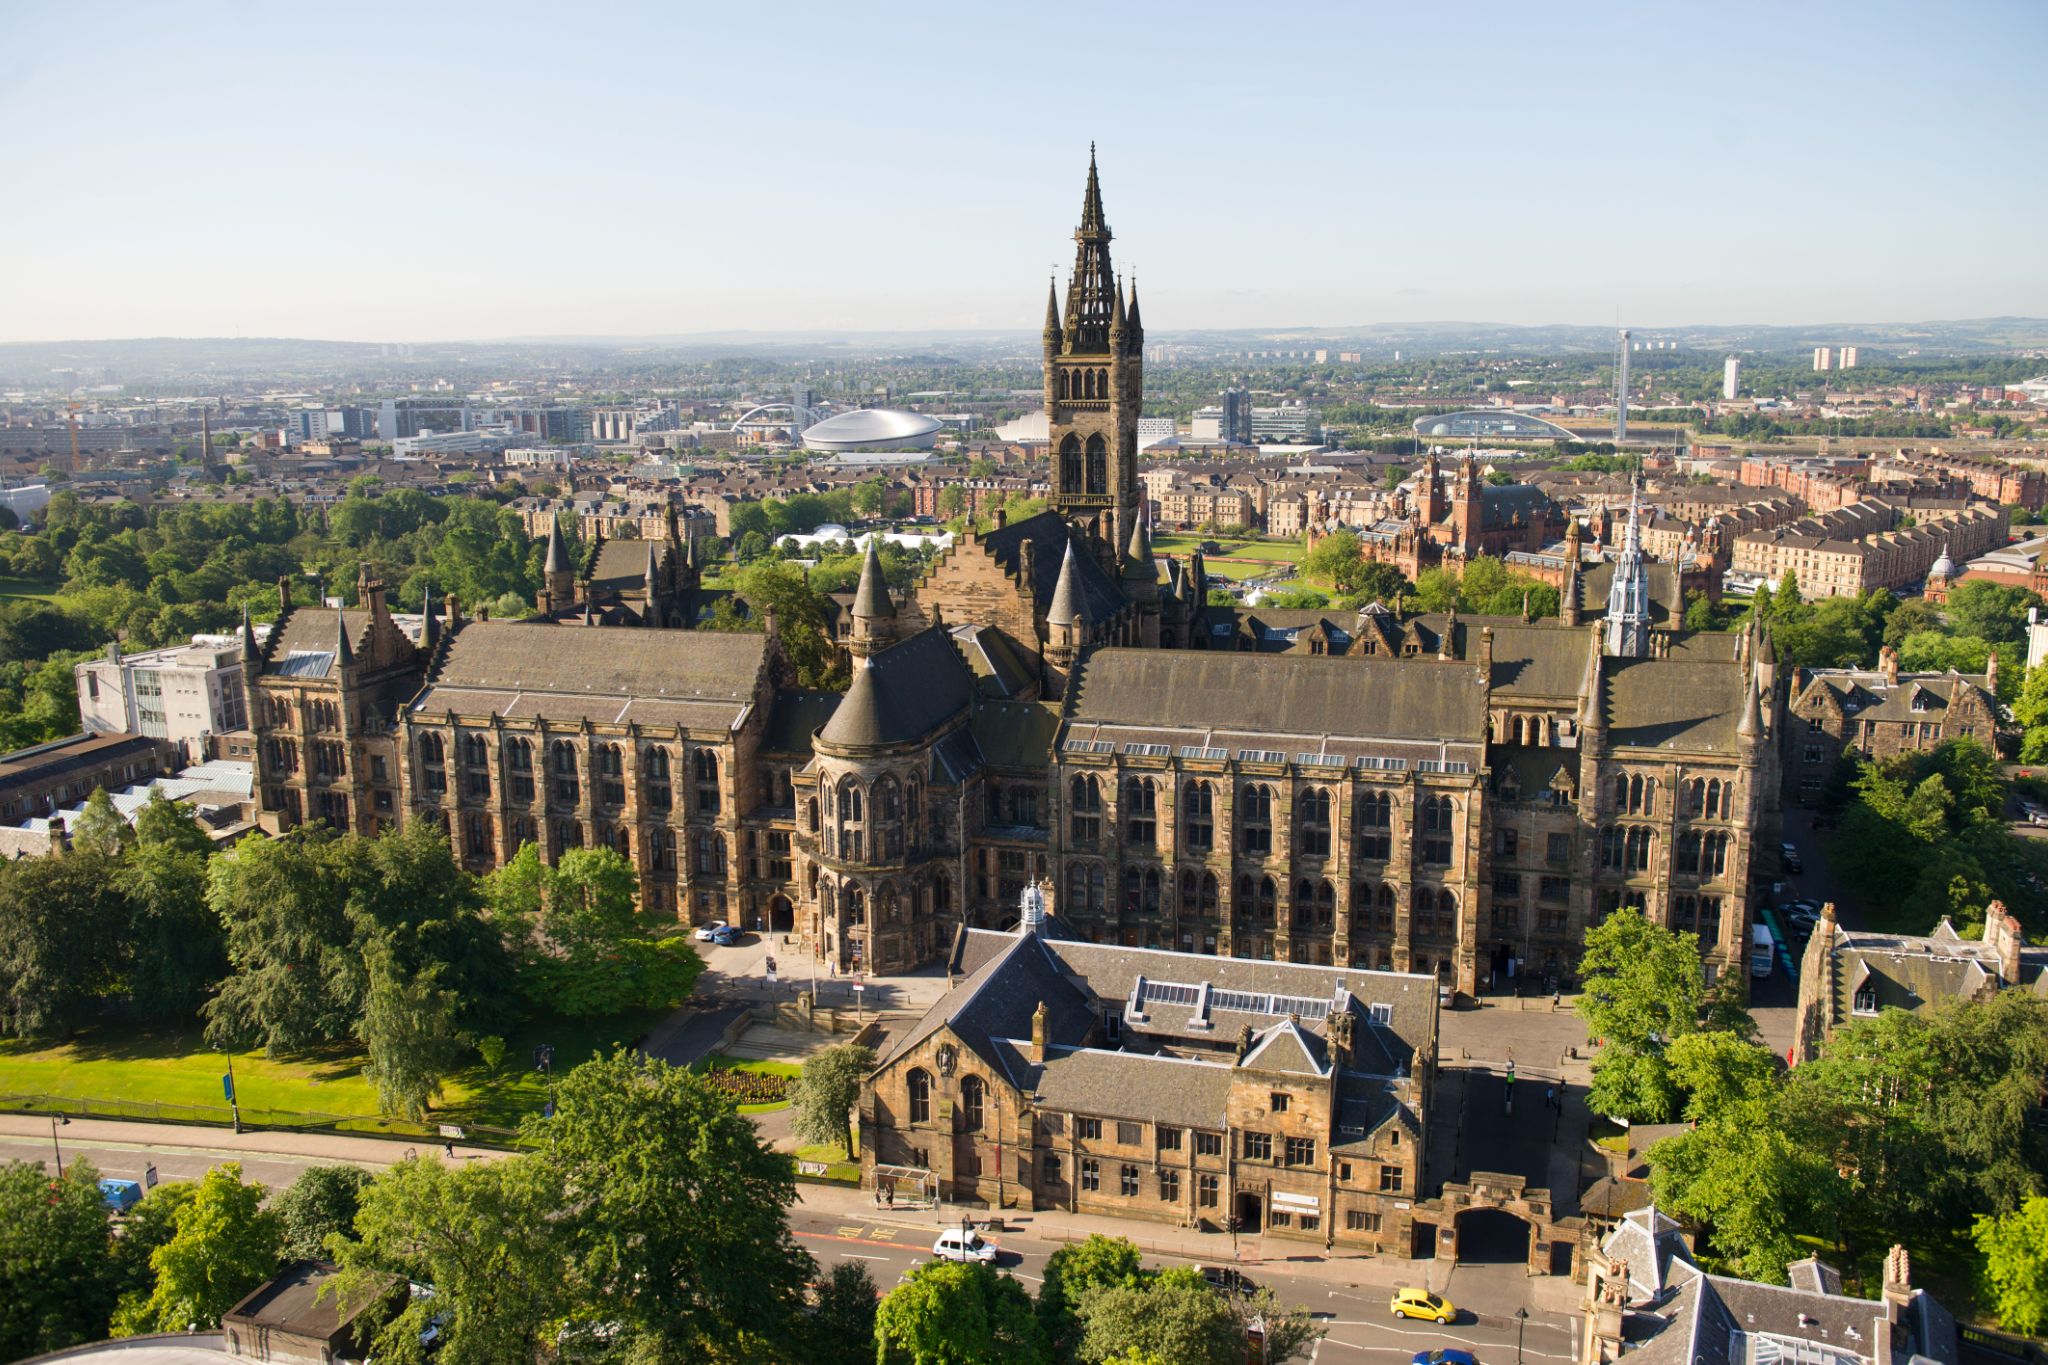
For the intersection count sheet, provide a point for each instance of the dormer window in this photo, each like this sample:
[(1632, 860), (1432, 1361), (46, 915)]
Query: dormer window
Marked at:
[(1920, 702), (1865, 1001)]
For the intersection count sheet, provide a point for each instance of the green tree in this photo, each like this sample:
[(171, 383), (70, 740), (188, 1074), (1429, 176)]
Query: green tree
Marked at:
[(1071, 1271), (841, 1327), (321, 1202), (827, 1089), (61, 924), (1336, 560), (1174, 1315), (1908, 617), (56, 1259), (409, 1029), (954, 1313), (581, 945), (2015, 1274), (225, 1245), (147, 1226), (680, 1228), (100, 828), (1988, 610), (491, 1237), (1643, 989), (1287, 1332), (1295, 597)]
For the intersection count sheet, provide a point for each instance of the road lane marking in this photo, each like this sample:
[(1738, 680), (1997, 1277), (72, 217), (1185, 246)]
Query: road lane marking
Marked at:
[(862, 1241)]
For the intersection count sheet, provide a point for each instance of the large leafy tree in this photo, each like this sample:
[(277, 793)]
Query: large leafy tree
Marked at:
[(321, 1202), (827, 1089), (950, 1313), (491, 1237), (1643, 988), (841, 1327), (679, 1228), (62, 929), (2015, 1274), (1174, 1315), (582, 947), (409, 1029), (225, 1245), (56, 1259), (297, 978), (175, 948), (148, 1226), (1070, 1272)]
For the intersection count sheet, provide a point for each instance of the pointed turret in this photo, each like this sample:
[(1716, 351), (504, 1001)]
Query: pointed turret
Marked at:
[(430, 624), (344, 652), (1090, 297), (1134, 330), (1751, 727), (558, 553), (250, 652), (1138, 561), (1568, 595), (1052, 316), (1091, 199), (1116, 318), (1066, 594), (1593, 693), (872, 598), (874, 611), (558, 580)]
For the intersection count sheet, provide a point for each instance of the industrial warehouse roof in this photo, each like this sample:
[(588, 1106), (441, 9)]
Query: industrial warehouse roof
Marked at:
[(872, 429)]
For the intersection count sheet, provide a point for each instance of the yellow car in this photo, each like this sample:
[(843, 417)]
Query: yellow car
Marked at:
[(1420, 1303)]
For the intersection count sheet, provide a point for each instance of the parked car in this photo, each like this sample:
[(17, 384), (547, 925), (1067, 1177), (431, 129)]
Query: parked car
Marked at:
[(1444, 1355), (1792, 862), (707, 933), (955, 1245), (725, 936), (1420, 1303), (1763, 950)]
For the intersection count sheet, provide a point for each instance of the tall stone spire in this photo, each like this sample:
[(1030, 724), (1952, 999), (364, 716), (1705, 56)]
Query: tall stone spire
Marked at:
[(1134, 330), (1091, 290), (558, 553), (250, 653), (1066, 594), (874, 611), (1628, 596), (558, 580), (1052, 316), (344, 652)]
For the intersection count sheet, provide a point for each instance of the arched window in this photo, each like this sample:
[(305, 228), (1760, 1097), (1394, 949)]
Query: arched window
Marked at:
[(1439, 823), (1376, 826), (1326, 906), (611, 774), (1197, 804), (972, 1098), (1304, 903), (850, 826), (519, 762), (1070, 464), (1085, 809), (1255, 820), (705, 770), (811, 814), (562, 758), (1312, 814), (1141, 811), (1269, 898), (430, 748), (475, 750), (1098, 465), (920, 1087)]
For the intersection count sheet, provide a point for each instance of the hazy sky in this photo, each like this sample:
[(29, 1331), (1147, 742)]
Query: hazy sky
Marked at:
[(432, 171)]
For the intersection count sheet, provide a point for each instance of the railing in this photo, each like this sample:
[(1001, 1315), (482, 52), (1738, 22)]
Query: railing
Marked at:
[(220, 1115)]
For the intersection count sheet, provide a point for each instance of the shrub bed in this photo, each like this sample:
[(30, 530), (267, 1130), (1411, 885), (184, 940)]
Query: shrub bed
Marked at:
[(750, 1087)]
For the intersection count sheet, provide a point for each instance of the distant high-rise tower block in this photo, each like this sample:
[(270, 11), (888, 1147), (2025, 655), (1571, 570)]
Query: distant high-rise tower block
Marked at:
[(1621, 388), (1845, 358), (1731, 376), (1823, 358)]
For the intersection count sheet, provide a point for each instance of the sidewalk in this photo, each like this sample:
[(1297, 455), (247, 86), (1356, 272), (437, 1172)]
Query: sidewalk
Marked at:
[(325, 1147), (1296, 1259)]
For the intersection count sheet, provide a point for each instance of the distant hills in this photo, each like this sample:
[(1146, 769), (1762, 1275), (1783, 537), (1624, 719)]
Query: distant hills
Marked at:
[(179, 359)]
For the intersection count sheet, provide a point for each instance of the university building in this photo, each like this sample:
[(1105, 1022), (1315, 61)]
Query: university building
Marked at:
[(1050, 701)]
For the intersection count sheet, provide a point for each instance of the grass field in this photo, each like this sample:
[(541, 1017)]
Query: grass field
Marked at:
[(176, 1070), (839, 1165), (19, 589), (1240, 559)]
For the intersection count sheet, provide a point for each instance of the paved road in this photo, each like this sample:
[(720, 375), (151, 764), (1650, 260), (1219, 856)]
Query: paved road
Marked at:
[(690, 1033), (1356, 1316), (128, 1160)]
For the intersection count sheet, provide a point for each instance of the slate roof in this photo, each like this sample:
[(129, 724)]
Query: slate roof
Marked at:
[(1122, 1085), (1016, 734), (996, 1000), (1003, 667), (1500, 504), (1867, 695), (309, 637), (1101, 598), (1682, 705), (563, 672), (1284, 696), (903, 693), (621, 565), (795, 717), (1597, 580), (1538, 659)]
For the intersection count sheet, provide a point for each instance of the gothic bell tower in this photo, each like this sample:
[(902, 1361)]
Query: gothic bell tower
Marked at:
[(1095, 382)]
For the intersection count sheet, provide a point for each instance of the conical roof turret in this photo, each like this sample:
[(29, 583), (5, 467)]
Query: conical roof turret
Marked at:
[(872, 598), (250, 653), (344, 652), (1092, 219), (1052, 312), (1134, 330), (558, 553), (1138, 562), (1066, 595)]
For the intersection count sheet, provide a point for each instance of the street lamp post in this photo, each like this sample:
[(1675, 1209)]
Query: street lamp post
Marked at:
[(1521, 1321), (56, 1119), (234, 1096)]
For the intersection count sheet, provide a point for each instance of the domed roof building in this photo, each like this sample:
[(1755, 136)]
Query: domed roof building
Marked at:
[(873, 429)]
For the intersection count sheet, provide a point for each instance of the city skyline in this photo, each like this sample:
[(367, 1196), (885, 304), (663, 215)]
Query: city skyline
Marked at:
[(650, 175)]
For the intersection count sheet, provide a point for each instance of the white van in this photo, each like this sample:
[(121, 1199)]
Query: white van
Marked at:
[(955, 1245), (1763, 950)]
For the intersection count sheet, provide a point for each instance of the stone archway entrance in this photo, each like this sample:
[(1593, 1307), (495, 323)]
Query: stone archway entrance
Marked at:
[(1492, 1236), (1251, 1215), (781, 915)]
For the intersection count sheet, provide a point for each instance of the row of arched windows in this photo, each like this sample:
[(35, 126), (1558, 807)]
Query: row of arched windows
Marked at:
[(1079, 473), (1073, 384), (1312, 819), (607, 763), (973, 1109)]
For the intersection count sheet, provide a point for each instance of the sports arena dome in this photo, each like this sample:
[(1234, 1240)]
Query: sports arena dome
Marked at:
[(873, 429)]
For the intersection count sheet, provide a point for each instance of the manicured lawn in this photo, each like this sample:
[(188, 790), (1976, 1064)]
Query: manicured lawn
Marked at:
[(173, 1075), (838, 1164), (12, 588)]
